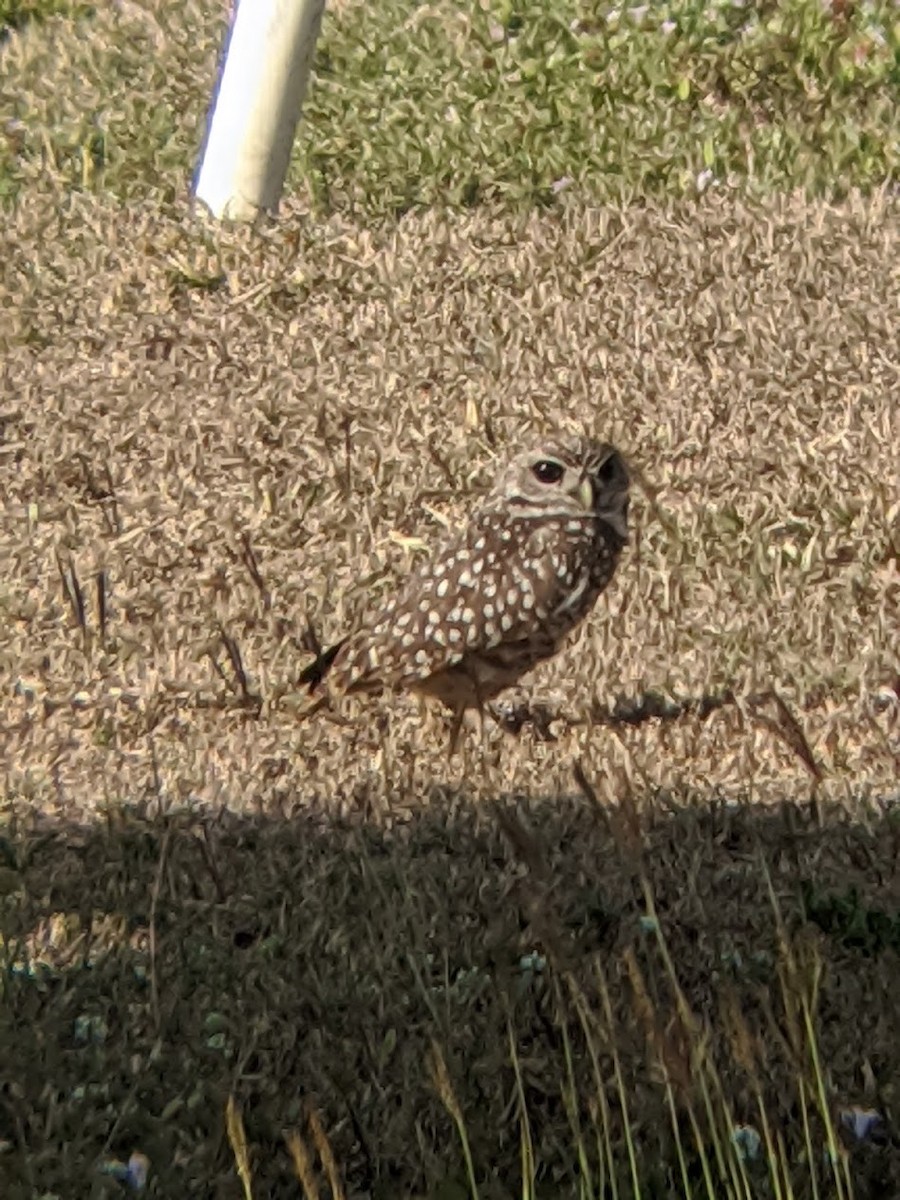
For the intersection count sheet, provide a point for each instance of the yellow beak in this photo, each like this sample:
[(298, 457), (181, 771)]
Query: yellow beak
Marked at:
[(586, 494)]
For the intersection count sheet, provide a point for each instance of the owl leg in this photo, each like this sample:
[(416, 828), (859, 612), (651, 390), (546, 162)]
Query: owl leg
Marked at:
[(469, 715), (482, 714), (455, 728)]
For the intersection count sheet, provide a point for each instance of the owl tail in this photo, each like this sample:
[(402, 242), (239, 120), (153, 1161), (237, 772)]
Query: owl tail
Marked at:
[(313, 675)]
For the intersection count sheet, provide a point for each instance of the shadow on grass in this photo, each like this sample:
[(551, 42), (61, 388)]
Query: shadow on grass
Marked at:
[(154, 966)]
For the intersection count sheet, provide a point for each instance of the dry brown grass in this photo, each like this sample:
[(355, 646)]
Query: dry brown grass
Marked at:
[(241, 431), (322, 393)]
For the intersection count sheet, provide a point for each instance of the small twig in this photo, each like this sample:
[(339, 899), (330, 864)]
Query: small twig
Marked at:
[(310, 639), (249, 697), (526, 846), (535, 898), (585, 786), (326, 1154), (75, 596), (237, 664), (91, 486), (103, 493), (788, 730), (346, 426), (208, 857), (249, 560), (102, 583), (111, 508), (217, 667), (234, 1125), (438, 460), (157, 778), (623, 820), (154, 904), (303, 1163)]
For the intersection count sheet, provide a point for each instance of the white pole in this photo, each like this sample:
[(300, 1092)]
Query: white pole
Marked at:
[(255, 113)]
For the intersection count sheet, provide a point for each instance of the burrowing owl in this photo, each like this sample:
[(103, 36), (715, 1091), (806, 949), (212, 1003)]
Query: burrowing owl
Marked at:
[(505, 592)]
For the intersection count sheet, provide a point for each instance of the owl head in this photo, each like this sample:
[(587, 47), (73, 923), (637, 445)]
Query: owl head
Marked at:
[(567, 478)]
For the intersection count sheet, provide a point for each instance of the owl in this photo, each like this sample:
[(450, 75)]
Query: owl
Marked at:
[(504, 593)]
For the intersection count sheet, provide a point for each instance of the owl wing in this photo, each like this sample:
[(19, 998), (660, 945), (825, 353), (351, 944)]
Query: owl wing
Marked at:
[(498, 584)]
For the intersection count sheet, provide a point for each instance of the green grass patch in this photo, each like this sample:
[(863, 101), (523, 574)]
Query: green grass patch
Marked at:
[(15, 14), (515, 102), (846, 917), (520, 101)]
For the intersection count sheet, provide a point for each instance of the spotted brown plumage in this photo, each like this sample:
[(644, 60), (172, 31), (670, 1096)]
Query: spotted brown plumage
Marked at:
[(505, 592)]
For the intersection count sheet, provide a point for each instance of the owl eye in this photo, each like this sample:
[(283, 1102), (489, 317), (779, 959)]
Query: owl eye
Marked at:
[(548, 471), (606, 473)]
